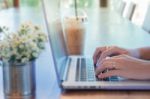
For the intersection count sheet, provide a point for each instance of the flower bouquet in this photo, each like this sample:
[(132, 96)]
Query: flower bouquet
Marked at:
[(22, 46), (18, 51)]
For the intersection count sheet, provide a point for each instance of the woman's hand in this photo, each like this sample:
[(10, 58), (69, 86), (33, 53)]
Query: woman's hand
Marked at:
[(124, 66), (103, 52)]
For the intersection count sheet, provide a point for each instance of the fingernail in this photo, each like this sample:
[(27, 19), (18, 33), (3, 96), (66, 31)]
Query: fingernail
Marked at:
[(107, 58), (97, 64)]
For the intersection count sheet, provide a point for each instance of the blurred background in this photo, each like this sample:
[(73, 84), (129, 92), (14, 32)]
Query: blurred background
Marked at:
[(113, 4), (134, 10)]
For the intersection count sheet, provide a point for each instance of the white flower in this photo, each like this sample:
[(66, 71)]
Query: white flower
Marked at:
[(24, 60), (24, 45), (21, 46), (34, 54)]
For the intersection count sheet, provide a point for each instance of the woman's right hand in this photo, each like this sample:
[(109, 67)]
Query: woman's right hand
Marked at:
[(108, 51), (124, 66)]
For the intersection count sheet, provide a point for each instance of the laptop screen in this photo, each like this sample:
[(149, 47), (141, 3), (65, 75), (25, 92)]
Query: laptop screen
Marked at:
[(55, 33)]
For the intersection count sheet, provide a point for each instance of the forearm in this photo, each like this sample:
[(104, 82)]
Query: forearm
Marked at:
[(144, 53)]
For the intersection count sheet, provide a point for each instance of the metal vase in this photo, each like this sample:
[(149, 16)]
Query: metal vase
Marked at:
[(19, 79)]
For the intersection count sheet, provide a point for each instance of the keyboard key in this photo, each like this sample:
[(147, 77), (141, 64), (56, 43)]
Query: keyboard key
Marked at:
[(78, 70), (90, 70), (83, 73)]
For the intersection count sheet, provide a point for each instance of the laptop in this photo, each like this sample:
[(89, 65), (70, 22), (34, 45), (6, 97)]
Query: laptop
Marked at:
[(78, 72)]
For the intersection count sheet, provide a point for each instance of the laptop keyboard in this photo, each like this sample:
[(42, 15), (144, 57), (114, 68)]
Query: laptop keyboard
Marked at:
[(81, 70), (83, 73), (90, 70), (86, 71)]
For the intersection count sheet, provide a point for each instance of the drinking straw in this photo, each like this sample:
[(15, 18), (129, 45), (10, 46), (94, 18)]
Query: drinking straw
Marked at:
[(76, 10)]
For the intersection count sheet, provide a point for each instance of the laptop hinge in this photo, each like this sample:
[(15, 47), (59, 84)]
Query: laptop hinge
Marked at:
[(72, 70), (66, 70)]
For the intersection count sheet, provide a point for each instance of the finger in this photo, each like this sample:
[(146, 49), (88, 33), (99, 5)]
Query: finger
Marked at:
[(122, 56), (111, 52), (107, 53), (97, 53), (109, 74), (107, 64), (108, 59)]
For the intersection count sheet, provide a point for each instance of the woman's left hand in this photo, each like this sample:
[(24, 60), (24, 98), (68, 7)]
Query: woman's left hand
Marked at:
[(124, 66)]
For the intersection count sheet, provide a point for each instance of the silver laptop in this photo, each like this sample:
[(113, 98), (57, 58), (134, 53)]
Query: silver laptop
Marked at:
[(78, 72)]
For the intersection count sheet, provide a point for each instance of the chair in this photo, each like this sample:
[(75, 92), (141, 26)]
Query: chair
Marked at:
[(121, 7), (139, 14), (146, 23), (129, 10)]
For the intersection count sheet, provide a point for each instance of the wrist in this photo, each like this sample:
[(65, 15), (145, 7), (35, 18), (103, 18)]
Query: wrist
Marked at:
[(134, 53)]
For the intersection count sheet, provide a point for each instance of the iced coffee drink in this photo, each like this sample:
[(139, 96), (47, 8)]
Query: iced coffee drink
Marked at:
[(75, 34)]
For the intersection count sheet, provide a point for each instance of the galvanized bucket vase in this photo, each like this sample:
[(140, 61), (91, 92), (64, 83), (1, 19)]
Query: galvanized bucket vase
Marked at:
[(19, 79)]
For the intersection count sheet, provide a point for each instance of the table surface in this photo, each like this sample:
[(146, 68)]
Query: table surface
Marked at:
[(105, 28)]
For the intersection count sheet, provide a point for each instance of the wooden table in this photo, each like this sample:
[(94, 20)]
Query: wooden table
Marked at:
[(103, 25), (106, 95)]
